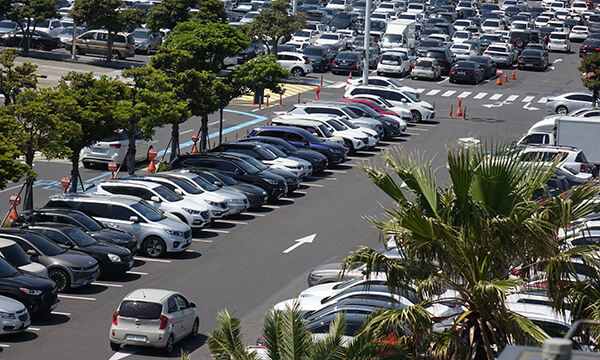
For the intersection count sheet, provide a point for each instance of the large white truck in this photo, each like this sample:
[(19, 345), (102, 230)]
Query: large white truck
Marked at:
[(582, 133), (399, 33)]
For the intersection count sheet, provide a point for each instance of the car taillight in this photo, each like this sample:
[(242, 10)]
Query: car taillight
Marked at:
[(515, 272), (582, 168), (413, 67), (470, 72), (115, 145), (548, 100), (432, 68), (597, 49), (549, 40), (521, 59), (582, 48), (487, 53), (306, 62), (163, 322), (452, 71), (333, 63), (565, 41), (115, 314), (355, 64)]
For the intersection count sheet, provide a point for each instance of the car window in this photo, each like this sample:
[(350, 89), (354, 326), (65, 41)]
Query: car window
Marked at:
[(102, 37), (15, 255), (148, 211), (120, 212), (40, 242), (181, 302), (80, 237), (56, 236), (171, 305), (94, 209), (291, 136), (140, 309), (85, 221)]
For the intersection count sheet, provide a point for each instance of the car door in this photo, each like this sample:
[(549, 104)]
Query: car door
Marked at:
[(84, 41), (119, 216), (100, 44), (175, 318), (188, 314), (56, 236), (284, 61)]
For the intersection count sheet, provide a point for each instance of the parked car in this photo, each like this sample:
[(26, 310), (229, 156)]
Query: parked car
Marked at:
[(444, 57), (466, 71), (297, 64), (568, 102), (96, 42), (532, 59), (66, 35), (347, 62), (253, 50), (146, 41), (501, 54), (393, 63), (51, 27), (589, 46), (114, 148), (155, 318), (8, 26), (559, 41), (16, 256), (520, 38), (15, 317), (156, 233), (486, 63), (291, 180), (578, 33), (319, 56), (39, 40)]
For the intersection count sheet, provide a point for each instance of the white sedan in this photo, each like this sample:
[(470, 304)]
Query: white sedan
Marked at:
[(114, 147)]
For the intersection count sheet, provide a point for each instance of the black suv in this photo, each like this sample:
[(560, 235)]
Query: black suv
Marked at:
[(520, 39), (444, 57)]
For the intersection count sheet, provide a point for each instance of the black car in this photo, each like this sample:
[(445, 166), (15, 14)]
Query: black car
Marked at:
[(39, 40), (427, 44), (257, 197), (319, 56), (95, 228), (589, 46), (466, 71), (38, 294), (444, 57), (341, 20), (391, 127), (286, 48), (113, 259), (520, 38), (486, 63), (253, 50), (317, 160), (532, 59), (347, 62), (540, 47), (274, 185)]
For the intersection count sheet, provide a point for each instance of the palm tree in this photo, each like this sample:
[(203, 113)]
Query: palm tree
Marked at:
[(467, 237), (286, 338)]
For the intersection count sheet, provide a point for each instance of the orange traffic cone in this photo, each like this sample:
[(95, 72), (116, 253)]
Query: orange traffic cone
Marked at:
[(505, 77), (195, 148), (349, 78), (459, 108), (151, 166), (513, 77), (499, 80), (13, 215)]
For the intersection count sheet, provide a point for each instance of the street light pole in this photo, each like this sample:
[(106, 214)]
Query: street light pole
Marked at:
[(367, 34), (74, 40), (294, 7)]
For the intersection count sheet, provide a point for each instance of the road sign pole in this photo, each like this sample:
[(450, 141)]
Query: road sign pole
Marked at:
[(367, 34)]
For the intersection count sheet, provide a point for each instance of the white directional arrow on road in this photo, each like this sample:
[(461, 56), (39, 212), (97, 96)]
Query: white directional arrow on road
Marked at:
[(305, 240), (530, 108), (492, 105)]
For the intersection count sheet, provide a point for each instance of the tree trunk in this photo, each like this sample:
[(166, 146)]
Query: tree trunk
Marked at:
[(485, 340), (109, 47), (275, 41), (174, 141), (220, 125), (74, 171), (28, 198), (131, 153), (204, 133)]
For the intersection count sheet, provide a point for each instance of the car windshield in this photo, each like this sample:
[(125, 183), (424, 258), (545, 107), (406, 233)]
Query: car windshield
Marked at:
[(430, 43), (15, 255), (460, 47), (44, 245), (273, 149), (80, 237), (411, 96), (461, 35), (88, 223), (267, 155), (531, 53), (336, 125), (330, 37), (8, 25), (254, 163), (140, 309), (325, 131), (491, 23), (347, 123), (187, 187), (6, 270), (347, 55), (302, 34), (167, 194), (558, 36), (424, 63), (222, 178), (148, 211), (141, 34), (392, 38), (314, 51)]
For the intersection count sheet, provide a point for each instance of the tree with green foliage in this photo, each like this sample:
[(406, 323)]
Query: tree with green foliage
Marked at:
[(460, 244), (149, 103), (211, 11), (168, 13), (262, 72), (286, 337), (590, 65), (41, 125), (11, 169), (93, 109), (15, 78), (274, 24), (27, 14), (109, 15)]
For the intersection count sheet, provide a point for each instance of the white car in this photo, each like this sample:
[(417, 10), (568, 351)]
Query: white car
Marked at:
[(562, 14), (385, 81), (114, 147), (329, 289), (154, 318), (248, 17), (541, 21), (388, 7), (463, 51), (461, 36), (462, 24), (393, 63), (295, 63), (553, 323), (415, 8), (306, 37), (559, 41), (501, 54), (15, 317), (446, 39), (492, 25), (343, 5), (578, 33), (333, 40), (579, 7), (521, 25)]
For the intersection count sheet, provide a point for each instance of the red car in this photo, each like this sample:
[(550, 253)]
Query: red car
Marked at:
[(380, 109)]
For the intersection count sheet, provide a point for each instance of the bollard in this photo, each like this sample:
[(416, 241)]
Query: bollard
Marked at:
[(237, 135), (280, 100), (268, 97), (317, 91), (451, 108), (321, 80), (260, 103), (298, 98), (247, 131), (465, 114)]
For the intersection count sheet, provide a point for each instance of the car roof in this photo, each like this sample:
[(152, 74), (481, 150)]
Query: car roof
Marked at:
[(289, 53), (91, 197), (156, 295), (57, 226), (5, 242), (121, 181)]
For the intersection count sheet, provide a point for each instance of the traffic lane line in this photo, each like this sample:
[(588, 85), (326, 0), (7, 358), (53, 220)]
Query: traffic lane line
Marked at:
[(141, 258), (85, 298)]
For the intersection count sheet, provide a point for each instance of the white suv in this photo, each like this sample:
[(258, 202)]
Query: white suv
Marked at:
[(571, 161), (295, 63)]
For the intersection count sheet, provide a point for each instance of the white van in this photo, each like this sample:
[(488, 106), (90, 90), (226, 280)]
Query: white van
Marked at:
[(399, 33)]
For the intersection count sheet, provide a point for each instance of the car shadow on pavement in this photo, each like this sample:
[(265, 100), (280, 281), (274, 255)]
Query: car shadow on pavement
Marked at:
[(90, 289), (184, 255), (128, 277), (489, 120), (186, 345), (295, 195), (363, 154), (55, 319), (242, 217), (283, 202), (199, 234), (263, 210), (19, 337), (221, 225)]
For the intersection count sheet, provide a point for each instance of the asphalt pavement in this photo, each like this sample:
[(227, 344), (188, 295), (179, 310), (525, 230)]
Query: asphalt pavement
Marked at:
[(240, 264)]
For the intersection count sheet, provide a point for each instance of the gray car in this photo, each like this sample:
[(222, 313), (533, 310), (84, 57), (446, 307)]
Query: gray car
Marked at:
[(67, 268), (146, 41), (568, 102)]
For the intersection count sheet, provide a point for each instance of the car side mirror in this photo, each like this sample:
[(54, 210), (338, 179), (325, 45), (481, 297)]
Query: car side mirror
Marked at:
[(238, 171), (32, 252), (178, 191), (155, 199), (192, 305), (218, 183), (134, 219), (403, 100)]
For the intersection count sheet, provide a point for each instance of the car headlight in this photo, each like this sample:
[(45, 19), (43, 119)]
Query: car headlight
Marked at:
[(174, 232), (212, 203), (335, 151), (31, 291), (271, 181), (114, 258), (6, 315), (192, 211)]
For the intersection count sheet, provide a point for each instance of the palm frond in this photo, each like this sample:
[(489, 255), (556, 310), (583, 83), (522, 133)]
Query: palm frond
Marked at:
[(332, 347), (295, 341), (225, 343), (272, 333)]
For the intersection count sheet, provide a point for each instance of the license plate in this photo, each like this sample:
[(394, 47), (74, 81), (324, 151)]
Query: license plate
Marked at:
[(139, 338), (461, 72), (528, 64)]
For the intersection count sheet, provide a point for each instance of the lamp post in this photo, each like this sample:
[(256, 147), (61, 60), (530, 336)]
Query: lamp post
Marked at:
[(367, 34), (74, 40)]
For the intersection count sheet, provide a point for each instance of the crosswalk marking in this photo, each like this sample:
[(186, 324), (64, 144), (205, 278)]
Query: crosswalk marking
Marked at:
[(481, 95), (433, 92), (290, 90), (448, 93), (419, 90), (512, 98), (542, 100), (496, 96), (464, 94), (527, 99)]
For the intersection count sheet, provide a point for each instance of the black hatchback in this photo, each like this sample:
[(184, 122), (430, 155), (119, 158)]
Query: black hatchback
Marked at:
[(444, 57), (347, 62), (486, 63), (532, 59), (466, 71), (589, 46)]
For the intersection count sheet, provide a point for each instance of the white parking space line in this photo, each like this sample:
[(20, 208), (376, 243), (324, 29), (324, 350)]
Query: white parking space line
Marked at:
[(314, 185), (337, 171), (86, 298), (123, 353), (216, 231), (427, 125), (231, 222), (411, 134), (419, 90), (448, 93), (151, 259), (107, 284), (350, 164), (187, 131), (416, 128), (481, 95), (4, 346), (33, 329), (255, 214), (202, 240), (542, 100), (464, 94), (300, 192), (442, 81), (512, 98), (61, 313), (433, 92), (496, 96), (527, 99), (136, 272), (331, 178)]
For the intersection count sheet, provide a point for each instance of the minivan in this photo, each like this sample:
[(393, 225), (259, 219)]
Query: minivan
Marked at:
[(96, 42)]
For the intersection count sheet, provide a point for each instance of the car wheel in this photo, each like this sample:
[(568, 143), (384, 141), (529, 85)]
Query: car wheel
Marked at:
[(416, 116), (154, 247), (170, 344), (60, 278), (148, 51), (349, 147), (194, 332), (297, 72), (78, 51), (114, 346), (86, 164), (562, 110)]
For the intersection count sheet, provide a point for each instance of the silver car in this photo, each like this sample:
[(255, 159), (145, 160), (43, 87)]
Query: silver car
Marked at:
[(426, 68), (566, 103), (14, 316), (156, 232), (146, 41), (153, 318)]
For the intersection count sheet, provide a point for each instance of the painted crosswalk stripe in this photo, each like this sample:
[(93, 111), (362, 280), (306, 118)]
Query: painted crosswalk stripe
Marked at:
[(495, 96), (512, 98), (419, 90), (448, 93), (542, 100), (464, 94), (481, 95), (433, 92), (527, 99)]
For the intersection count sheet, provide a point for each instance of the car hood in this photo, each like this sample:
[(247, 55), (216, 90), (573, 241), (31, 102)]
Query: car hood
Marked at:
[(247, 188), (328, 268), (34, 268), (72, 258), (190, 204), (111, 234), (319, 290), (355, 133), (299, 160), (310, 153), (174, 224), (229, 194), (282, 161), (314, 57), (29, 281), (10, 305), (284, 174), (105, 249)]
